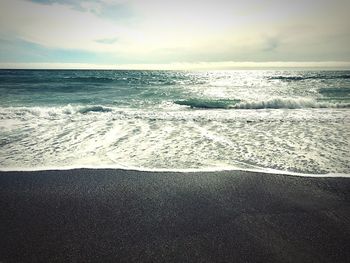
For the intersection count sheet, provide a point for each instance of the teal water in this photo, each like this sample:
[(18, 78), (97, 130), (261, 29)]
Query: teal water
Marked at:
[(295, 121)]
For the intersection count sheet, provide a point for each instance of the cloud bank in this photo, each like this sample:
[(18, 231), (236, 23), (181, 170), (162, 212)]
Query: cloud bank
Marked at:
[(131, 32)]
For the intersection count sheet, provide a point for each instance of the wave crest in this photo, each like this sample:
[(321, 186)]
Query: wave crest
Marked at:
[(94, 109), (208, 104), (276, 103), (279, 103)]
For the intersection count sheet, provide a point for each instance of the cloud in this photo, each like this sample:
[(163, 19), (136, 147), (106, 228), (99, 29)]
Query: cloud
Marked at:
[(109, 9), (57, 26), (161, 31), (18, 50), (271, 44), (107, 40)]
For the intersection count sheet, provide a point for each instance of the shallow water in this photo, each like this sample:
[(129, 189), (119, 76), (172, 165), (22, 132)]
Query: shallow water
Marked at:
[(295, 121)]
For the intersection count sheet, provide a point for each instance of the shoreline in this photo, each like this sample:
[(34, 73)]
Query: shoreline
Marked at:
[(267, 171), (105, 215)]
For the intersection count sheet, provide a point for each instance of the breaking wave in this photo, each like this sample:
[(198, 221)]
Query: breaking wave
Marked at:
[(50, 112), (94, 109), (167, 113), (277, 103), (207, 103)]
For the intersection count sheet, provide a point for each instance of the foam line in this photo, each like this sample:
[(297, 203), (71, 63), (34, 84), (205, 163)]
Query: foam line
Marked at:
[(190, 170)]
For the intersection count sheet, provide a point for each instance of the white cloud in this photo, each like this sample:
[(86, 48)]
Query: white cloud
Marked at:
[(57, 26), (170, 31)]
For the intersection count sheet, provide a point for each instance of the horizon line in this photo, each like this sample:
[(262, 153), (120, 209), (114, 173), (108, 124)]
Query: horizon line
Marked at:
[(223, 65)]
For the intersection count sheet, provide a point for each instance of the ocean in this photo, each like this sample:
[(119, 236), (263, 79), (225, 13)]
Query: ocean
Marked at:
[(284, 121)]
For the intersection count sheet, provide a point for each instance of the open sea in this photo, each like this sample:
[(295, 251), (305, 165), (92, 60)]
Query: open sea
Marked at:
[(283, 121)]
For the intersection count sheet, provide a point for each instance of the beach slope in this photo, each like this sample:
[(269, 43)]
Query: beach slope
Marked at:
[(87, 215)]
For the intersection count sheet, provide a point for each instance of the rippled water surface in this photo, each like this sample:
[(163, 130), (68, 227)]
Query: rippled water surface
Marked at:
[(297, 121)]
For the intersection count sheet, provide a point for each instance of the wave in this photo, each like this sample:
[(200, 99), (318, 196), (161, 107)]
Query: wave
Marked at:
[(121, 80), (335, 91), (94, 109), (280, 103), (287, 78), (300, 78), (168, 111), (207, 103), (50, 112), (89, 79), (277, 103)]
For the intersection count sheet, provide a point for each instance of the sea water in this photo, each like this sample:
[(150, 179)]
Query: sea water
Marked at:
[(289, 121)]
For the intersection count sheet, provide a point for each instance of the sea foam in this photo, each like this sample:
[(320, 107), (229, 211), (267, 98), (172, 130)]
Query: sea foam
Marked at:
[(295, 122)]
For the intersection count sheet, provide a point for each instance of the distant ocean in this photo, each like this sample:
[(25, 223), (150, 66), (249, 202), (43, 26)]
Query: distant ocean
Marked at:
[(289, 121)]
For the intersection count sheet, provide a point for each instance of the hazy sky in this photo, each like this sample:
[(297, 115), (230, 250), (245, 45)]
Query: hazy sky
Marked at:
[(181, 32)]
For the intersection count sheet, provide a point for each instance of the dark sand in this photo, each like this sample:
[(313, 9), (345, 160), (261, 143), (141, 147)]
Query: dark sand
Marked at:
[(130, 216)]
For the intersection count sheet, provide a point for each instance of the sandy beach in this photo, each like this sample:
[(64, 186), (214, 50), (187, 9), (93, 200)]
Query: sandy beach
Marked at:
[(89, 215)]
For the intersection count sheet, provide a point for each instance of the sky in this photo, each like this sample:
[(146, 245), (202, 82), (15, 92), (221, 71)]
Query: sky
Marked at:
[(181, 34)]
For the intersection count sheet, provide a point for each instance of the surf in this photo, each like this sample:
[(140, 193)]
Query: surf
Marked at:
[(276, 103)]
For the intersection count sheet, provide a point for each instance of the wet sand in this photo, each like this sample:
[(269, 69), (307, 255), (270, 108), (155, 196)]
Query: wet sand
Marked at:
[(89, 215)]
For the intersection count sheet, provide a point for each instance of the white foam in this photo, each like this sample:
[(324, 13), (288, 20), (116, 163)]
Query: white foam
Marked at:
[(188, 170), (288, 103), (306, 141)]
